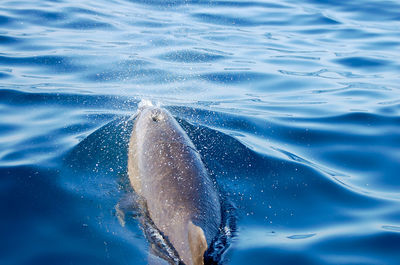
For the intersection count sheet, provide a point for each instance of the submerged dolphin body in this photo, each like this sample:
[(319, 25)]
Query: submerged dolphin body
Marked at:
[(166, 170)]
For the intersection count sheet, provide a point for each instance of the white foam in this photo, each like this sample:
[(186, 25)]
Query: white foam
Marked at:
[(145, 103)]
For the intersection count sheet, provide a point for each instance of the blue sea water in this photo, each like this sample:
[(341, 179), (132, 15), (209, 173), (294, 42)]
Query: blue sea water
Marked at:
[(293, 105)]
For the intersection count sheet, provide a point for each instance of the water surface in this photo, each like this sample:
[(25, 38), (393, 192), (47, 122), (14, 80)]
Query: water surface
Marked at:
[(294, 106)]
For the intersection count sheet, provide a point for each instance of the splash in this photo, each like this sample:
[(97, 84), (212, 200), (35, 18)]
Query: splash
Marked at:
[(145, 103), (227, 232), (148, 103)]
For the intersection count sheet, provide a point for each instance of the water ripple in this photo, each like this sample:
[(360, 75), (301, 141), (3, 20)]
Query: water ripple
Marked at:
[(235, 77), (58, 64), (188, 56), (305, 236), (391, 228), (362, 62)]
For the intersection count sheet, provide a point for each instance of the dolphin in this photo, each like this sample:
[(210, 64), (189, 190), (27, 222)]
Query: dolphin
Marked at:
[(166, 170)]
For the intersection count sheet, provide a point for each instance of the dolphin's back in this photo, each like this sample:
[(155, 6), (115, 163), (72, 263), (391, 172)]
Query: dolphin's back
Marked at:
[(166, 170)]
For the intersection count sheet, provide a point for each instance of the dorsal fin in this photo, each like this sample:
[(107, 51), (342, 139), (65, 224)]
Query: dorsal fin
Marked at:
[(197, 243)]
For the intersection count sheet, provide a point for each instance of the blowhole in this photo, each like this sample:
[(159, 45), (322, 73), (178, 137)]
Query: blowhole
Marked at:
[(155, 118)]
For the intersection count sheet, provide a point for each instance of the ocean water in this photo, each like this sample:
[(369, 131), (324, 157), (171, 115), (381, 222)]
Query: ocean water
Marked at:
[(293, 105)]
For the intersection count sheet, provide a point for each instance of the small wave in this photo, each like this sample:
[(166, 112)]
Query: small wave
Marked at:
[(304, 236), (391, 228), (188, 56), (363, 62)]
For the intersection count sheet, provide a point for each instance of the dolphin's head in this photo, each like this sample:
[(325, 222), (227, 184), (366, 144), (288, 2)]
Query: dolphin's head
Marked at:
[(159, 125), (155, 114), (152, 118)]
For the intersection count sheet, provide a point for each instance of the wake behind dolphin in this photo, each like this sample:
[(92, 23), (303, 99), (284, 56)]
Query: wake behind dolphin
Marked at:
[(167, 172)]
